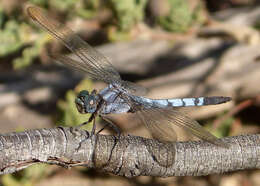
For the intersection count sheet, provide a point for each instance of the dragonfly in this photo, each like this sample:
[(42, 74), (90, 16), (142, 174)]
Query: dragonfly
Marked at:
[(158, 115)]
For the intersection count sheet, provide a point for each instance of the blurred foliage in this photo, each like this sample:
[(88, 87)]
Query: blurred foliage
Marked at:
[(89, 9), (25, 42), (128, 13), (118, 35), (11, 37), (69, 115), (2, 17), (63, 5), (16, 37), (84, 8), (180, 16), (224, 128), (257, 25), (60, 5), (26, 177), (29, 53)]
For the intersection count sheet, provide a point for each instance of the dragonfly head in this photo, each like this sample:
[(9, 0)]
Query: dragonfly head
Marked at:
[(87, 103)]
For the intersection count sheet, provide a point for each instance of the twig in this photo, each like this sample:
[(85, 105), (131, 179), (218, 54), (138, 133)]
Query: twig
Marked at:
[(128, 156)]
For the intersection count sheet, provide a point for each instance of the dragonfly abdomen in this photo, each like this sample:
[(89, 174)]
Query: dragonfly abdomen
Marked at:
[(183, 102)]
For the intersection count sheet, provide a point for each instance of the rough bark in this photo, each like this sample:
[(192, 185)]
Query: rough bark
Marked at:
[(128, 156)]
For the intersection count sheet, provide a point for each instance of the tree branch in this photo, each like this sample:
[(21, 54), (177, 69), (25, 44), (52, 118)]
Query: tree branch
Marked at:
[(128, 156)]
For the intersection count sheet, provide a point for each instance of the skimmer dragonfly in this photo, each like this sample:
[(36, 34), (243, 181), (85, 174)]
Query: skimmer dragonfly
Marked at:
[(158, 115)]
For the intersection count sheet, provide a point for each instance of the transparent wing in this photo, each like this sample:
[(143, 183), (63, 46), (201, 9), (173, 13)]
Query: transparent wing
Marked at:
[(159, 122), (155, 123), (91, 61), (68, 61), (134, 88), (129, 86)]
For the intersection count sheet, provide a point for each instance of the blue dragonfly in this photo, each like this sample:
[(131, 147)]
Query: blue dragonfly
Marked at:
[(158, 115)]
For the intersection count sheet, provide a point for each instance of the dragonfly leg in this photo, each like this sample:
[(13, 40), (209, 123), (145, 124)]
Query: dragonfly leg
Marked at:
[(110, 123), (94, 127), (102, 129), (82, 124), (92, 117)]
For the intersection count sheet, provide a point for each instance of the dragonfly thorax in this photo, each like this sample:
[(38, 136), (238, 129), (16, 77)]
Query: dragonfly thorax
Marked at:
[(87, 103)]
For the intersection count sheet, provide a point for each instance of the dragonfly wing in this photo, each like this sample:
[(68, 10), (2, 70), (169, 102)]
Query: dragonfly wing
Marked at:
[(159, 122), (155, 123), (90, 59), (134, 88), (68, 61), (164, 153), (129, 86)]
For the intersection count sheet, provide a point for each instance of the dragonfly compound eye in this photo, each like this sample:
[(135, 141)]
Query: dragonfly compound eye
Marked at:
[(80, 105), (81, 101), (83, 93)]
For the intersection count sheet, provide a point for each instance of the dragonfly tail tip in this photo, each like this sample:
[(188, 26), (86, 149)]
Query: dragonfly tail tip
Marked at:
[(216, 100)]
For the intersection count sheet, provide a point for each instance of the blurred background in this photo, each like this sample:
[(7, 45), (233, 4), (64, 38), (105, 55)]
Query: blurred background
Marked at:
[(174, 48)]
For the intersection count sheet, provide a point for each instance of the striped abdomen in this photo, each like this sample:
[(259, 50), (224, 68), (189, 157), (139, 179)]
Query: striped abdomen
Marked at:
[(182, 102)]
